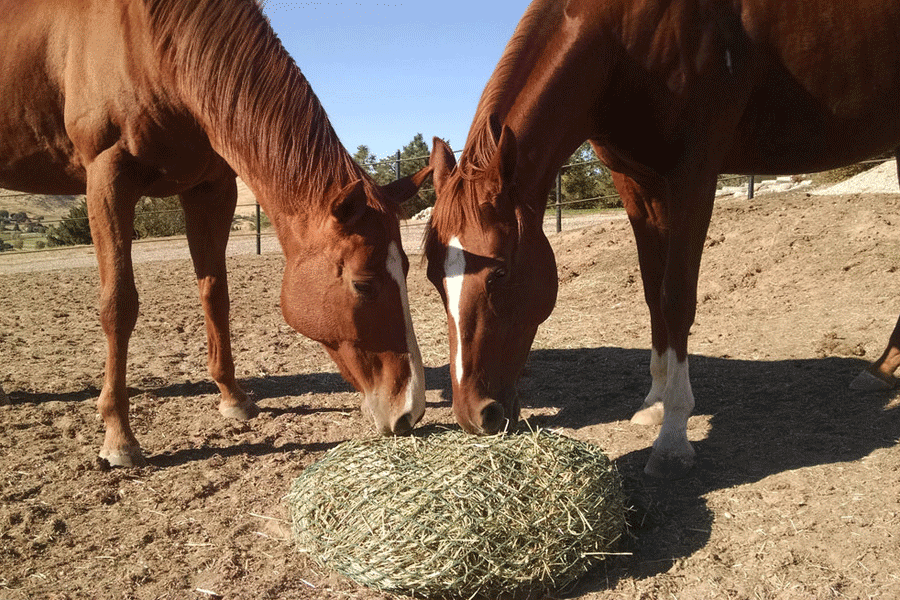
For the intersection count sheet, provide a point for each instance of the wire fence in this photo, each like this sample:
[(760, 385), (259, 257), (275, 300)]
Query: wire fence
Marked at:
[(260, 230)]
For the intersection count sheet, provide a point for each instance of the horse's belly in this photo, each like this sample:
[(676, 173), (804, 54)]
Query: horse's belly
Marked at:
[(787, 132), (47, 165)]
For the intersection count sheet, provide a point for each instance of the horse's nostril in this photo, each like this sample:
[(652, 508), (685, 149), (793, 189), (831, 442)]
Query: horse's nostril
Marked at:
[(493, 418), (403, 426)]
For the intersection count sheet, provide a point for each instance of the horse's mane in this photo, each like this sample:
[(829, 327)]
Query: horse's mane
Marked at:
[(481, 143), (249, 92)]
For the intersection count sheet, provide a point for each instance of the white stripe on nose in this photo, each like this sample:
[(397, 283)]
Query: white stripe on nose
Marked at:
[(454, 269), (415, 390)]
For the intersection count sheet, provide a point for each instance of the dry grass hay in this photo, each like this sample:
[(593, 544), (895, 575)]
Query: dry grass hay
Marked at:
[(448, 514)]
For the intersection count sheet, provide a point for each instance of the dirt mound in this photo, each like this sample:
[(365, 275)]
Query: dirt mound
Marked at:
[(877, 180)]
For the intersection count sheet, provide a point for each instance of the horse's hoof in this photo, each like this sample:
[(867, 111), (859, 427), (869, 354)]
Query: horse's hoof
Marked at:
[(867, 381), (244, 411), (649, 415), (669, 466), (126, 456)]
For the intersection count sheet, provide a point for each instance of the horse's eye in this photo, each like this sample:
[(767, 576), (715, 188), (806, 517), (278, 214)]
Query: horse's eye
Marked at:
[(365, 289)]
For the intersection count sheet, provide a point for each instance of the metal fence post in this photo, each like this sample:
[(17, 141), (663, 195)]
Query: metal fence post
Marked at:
[(258, 232), (397, 166), (750, 187), (559, 201)]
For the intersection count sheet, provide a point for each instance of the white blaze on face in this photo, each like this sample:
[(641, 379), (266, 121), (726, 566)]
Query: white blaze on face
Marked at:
[(454, 269), (415, 390)]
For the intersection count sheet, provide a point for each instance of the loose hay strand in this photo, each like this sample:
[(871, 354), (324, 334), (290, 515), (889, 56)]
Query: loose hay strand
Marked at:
[(453, 515)]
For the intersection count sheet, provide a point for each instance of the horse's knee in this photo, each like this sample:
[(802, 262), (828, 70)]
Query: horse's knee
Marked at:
[(119, 309)]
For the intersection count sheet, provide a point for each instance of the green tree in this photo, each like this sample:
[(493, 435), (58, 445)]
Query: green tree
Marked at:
[(413, 157), (159, 217), (585, 178), (381, 170), (154, 217), (73, 230)]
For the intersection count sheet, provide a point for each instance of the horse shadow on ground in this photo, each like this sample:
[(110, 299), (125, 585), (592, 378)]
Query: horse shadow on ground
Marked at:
[(765, 417)]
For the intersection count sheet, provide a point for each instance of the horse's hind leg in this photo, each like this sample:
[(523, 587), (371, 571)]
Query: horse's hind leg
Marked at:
[(111, 198), (880, 374), (208, 211)]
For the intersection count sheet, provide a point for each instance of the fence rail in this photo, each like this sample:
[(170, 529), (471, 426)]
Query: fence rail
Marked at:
[(396, 161)]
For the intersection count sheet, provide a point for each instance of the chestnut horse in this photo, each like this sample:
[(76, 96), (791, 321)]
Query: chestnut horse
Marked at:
[(126, 98), (670, 93)]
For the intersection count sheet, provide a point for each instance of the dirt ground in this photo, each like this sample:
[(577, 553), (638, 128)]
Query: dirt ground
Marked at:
[(796, 492)]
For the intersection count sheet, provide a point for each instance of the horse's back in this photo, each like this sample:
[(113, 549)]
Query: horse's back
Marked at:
[(78, 77), (36, 153), (826, 86)]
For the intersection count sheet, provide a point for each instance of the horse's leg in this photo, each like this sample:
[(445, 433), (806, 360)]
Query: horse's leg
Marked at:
[(880, 374), (208, 210), (643, 209), (111, 198), (692, 201)]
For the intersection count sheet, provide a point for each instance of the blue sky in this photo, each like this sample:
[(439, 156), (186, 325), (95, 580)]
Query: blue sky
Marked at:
[(387, 70)]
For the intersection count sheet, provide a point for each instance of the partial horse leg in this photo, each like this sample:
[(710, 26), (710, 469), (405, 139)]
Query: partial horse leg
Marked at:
[(648, 224), (880, 374), (692, 201), (111, 198), (208, 210)]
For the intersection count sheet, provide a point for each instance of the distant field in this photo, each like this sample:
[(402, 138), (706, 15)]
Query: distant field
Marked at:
[(50, 210)]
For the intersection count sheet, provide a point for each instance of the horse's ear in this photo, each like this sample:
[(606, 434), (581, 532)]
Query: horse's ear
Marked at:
[(507, 155), (442, 161), (349, 204), (403, 189)]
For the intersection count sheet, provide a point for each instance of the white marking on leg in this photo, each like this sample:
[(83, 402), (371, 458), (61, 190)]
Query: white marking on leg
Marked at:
[(651, 412), (415, 390), (454, 269), (678, 401), (658, 369)]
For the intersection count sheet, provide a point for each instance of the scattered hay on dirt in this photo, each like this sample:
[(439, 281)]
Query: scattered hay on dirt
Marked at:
[(448, 514)]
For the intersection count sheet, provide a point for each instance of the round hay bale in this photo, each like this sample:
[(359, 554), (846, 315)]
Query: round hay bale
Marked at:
[(453, 515)]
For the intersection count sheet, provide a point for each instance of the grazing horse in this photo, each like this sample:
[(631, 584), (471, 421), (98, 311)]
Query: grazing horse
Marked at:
[(120, 99), (670, 94)]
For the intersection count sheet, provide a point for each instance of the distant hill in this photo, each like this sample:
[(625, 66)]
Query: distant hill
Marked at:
[(57, 207), (36, 205)]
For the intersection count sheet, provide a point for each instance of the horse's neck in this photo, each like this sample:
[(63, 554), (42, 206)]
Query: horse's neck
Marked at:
[(256, 107), (550, 106), (296, 172)]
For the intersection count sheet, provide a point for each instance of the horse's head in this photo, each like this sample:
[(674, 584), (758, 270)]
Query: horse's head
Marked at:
[(345, 286), (490, 261)]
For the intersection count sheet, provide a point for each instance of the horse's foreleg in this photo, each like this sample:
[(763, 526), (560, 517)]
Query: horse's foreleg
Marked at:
[(650, 235), (209, 209), (673, 455), (111, 199)]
